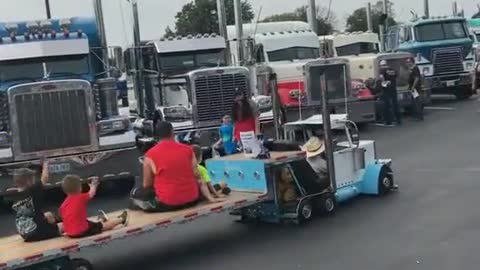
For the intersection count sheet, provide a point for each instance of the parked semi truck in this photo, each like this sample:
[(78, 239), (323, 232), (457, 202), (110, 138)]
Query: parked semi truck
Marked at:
[(187, 82), (443, 51), (57, 102), (362, 49), (285, 48), (474, 27)]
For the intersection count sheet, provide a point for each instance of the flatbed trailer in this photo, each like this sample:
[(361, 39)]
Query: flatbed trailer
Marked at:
[(249, 187), (16, 254)]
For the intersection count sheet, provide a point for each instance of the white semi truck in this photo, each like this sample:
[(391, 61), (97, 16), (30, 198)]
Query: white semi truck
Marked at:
[(362, 49), (285, 48)]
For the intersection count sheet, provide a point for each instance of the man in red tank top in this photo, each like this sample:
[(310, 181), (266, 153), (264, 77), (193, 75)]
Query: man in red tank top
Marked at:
[(170, 168)]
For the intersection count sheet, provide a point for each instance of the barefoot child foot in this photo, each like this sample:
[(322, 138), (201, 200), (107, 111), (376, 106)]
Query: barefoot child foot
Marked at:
[(120, 220), (102, 216)]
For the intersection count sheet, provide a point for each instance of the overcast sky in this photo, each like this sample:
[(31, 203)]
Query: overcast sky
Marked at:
[(155, 15)]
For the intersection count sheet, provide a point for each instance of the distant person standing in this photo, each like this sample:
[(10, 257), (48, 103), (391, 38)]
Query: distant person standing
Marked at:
[(415, 85), (389, 95), (245, 116)]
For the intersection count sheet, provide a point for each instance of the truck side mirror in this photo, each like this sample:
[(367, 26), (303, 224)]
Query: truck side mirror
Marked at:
[(382, 19), (353, 134), (117, 60)]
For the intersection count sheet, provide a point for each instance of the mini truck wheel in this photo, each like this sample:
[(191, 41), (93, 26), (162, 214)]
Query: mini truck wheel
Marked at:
[(385, 180), (327, 204), (305, 211), (80, 264)]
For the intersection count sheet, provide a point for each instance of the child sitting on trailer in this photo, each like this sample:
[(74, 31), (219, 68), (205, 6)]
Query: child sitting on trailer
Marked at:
[(74, 210), (32, 223), (218, 190)]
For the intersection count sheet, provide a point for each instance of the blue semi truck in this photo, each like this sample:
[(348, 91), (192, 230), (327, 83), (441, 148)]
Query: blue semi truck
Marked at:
[(443, 51), (58, 99)]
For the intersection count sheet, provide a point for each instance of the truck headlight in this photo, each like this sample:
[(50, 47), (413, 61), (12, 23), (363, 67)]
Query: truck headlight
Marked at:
[(264, 102), (113, 125), (427, 70), (176, 113), (4, 139), (295, 93), (469, 66)]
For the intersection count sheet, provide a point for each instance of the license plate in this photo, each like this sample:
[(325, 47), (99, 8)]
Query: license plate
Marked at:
[(451, 83), (59, 168)]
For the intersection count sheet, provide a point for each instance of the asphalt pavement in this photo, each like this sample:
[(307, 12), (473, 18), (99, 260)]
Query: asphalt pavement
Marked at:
[(432, 222)]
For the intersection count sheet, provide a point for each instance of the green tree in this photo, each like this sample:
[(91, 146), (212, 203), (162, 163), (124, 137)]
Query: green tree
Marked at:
[(358, 20), (200, 16), (325, 25)]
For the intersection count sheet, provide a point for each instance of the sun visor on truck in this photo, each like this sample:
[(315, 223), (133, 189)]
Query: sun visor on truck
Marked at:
[(190, 43), (45, 48)]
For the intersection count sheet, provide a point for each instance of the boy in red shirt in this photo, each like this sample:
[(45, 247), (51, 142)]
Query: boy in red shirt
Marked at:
[(74, 210)]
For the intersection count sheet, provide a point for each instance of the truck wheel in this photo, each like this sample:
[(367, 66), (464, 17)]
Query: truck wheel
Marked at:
[(385, 180), (327, 204), (80, 264), (305, 211)]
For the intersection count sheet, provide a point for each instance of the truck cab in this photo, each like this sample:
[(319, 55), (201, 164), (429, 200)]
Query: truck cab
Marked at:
[(474, 27), (442, 48), (188, 83), (56, 102), (362, 49)]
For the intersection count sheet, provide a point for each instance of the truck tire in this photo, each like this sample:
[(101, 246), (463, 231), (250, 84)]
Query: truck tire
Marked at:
[(80, 264), (327, 204), (305, 212), (385, 181)]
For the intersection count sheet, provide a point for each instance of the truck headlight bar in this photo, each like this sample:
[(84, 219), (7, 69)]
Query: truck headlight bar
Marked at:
[(113, 125)]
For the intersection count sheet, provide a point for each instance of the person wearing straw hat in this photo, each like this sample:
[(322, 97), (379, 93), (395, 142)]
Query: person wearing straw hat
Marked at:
[(389, 95), (315, 151)]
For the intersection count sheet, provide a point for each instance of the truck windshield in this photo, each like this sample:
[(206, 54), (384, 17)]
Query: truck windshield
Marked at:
[(23, 69), (190, 60), (441, 31), (294, 53), (357, 48), (33, 69), (67, 65)]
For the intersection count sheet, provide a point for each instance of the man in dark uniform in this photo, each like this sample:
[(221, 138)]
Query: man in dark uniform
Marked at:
[(389, 96), (415, 85)]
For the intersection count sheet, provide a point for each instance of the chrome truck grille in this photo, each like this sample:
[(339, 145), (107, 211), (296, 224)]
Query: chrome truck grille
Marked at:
[(55, 117), (448, 60), (214, 93)]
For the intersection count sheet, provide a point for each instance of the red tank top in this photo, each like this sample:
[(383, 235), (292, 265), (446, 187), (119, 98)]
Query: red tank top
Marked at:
[(174, 183), (243, 126)]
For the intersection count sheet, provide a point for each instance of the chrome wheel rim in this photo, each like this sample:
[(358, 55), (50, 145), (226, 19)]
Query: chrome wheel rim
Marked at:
[(329, 205), (386, 182), (307, 211)]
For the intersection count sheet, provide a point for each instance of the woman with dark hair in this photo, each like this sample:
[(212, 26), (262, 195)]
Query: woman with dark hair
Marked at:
[(245, 117)]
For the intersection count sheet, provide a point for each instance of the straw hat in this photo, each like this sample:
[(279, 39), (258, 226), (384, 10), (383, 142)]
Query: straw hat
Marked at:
[(314, 147)]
